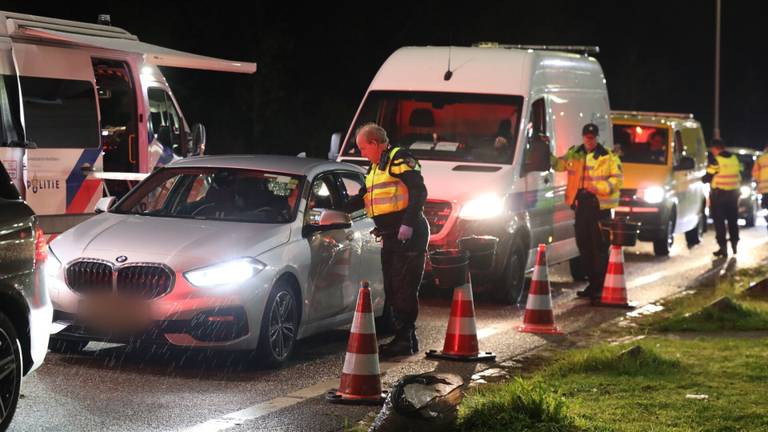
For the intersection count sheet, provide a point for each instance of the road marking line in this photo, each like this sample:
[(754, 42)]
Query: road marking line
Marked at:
[(253, 412)]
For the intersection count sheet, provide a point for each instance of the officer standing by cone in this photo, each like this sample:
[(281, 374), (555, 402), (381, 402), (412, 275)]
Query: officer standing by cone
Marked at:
[(594, 182), (394, 196), (724, 176), (760, 175)]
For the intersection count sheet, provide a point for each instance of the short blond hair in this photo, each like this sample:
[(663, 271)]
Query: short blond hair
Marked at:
[(373, 132)]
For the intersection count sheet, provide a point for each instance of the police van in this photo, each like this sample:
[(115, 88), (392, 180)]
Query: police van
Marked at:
[(483, 121), (664, 157), (84, 111)]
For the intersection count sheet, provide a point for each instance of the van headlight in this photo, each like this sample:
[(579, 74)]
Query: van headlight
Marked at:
[(482, 207), (226, 273), (746, 191), (653, 194)]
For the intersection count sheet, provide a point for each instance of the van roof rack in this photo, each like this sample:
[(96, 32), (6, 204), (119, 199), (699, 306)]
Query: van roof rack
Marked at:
[(685, 116), (581, 49), (15, 22)]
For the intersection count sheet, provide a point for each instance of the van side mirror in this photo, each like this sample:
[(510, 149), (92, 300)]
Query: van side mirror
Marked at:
[(686, 163), (104, 204), (538, 154), (333, 151), (198, 139)]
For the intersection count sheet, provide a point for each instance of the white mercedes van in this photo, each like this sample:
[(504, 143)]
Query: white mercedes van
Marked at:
[(474, 117)]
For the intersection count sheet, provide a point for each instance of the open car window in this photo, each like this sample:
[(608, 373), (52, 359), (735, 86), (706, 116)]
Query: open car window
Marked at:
[(224, 194)]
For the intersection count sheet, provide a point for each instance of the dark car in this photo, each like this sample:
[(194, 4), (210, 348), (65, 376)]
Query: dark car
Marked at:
[(749, 199), (25, 308)]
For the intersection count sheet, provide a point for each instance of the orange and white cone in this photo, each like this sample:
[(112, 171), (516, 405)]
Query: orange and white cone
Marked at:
[(539, 317), (615, 286), (361, 377), (461, 335)]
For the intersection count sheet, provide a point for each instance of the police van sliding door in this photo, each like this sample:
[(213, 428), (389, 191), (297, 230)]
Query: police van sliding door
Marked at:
[(61, 119)]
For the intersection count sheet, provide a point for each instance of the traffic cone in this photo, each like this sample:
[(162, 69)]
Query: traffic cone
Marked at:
[(461, 335), (539, 317), (615, 286), (361, 377)]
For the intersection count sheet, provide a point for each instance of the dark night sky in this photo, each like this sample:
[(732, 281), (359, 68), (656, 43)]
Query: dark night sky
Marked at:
[(316, 61)]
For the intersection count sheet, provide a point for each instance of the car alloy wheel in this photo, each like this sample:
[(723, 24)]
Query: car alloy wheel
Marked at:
[(282, 325), (10, 371)]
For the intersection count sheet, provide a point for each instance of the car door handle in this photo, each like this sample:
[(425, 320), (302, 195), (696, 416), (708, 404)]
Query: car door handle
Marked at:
[(547, 180)]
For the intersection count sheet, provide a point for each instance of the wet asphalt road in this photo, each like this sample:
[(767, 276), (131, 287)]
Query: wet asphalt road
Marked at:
[(119, 388)]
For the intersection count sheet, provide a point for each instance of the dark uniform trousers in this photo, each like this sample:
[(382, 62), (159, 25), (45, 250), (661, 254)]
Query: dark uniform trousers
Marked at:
[(593, 246), (402, 264), (724, 206)]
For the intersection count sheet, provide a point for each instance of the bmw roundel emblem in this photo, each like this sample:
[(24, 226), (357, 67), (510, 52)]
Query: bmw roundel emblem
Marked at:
[(121, 259)]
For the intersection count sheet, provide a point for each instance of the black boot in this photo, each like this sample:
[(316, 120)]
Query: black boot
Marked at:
[(414, 341), (733, 247), (722, 252), (400, 345)]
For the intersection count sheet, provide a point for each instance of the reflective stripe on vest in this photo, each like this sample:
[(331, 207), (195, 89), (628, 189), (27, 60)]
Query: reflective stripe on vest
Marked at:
[(384, 192), (760, 174), (727, 176)]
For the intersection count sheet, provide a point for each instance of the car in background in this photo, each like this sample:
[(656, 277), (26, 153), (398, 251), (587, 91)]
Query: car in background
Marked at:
[(25, 308), (663, 156), (219, 252), (749, 199)]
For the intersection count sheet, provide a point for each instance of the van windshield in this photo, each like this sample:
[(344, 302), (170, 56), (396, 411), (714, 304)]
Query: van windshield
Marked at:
[(444, 126), (636, 143)]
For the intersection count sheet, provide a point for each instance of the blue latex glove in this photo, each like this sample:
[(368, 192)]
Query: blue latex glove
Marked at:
[(405, 233)]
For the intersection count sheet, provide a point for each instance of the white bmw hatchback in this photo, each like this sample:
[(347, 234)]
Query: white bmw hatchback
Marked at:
[(229, 252)]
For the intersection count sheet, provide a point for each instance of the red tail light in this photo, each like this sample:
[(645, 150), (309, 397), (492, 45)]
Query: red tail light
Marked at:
[(41, 246)]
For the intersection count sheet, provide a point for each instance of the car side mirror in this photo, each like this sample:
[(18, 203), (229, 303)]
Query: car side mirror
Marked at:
[(325, 220), (686, 163), (333, 150), (198, 139), (104, 204), (538, 155)]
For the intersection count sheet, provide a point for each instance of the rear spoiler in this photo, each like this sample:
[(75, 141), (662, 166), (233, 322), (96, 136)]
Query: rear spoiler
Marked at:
[(114, 38)]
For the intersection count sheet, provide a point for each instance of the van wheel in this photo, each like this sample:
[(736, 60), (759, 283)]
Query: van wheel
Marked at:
[(279, 325), (512, 280), (577, 269), (694, 235), (10, 371), (662, 245), (66, 346)]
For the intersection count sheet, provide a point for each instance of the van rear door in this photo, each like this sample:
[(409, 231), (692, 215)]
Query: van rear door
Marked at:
[(60, 110)]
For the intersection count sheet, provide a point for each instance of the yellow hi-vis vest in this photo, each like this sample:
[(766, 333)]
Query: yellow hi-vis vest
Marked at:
[(726, 173), (584, 170), (760, 174), (386, 193)]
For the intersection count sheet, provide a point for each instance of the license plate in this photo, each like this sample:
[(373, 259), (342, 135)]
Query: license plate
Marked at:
[(115, 314)]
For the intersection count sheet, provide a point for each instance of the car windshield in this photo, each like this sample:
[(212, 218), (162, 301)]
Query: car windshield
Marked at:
[(635, 143), (445, 126), (224, 194)]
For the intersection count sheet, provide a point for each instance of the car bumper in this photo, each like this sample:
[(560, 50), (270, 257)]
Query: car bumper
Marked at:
[(653, 219), (186, 317), (40, 314)]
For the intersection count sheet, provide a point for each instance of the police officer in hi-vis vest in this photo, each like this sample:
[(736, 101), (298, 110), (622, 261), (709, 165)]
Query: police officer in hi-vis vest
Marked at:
[(594, 183), (394, 196), (724, 176), (760, 176)]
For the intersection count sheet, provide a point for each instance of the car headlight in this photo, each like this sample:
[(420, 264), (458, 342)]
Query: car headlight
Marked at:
[(52, 265), (227, 273), (482, 207), (653, 195), (746, 191)]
